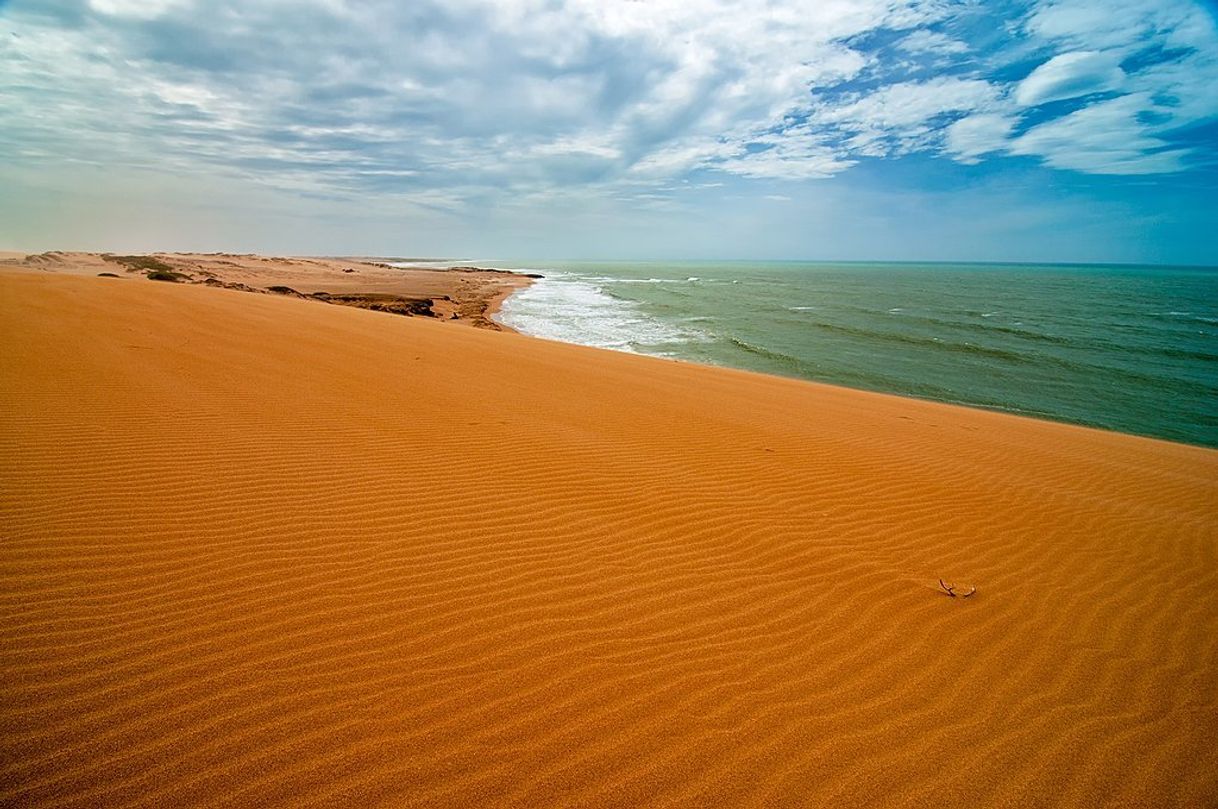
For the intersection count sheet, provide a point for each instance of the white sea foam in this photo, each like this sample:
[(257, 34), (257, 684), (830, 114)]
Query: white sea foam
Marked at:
[(606, 279), (574, 309)]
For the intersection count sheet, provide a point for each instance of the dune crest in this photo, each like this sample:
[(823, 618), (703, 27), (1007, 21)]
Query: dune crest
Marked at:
[(258, 551)]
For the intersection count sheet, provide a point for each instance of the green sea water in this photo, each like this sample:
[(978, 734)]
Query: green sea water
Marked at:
[(1127, 348)]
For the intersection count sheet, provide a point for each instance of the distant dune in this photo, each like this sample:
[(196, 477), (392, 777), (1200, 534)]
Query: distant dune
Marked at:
[(260, 551), (468, 295)]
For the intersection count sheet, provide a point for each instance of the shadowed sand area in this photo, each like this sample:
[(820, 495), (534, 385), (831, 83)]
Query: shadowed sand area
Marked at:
[(260, 550)]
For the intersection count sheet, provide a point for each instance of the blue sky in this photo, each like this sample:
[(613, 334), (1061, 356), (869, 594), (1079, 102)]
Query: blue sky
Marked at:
[(1056, 130)]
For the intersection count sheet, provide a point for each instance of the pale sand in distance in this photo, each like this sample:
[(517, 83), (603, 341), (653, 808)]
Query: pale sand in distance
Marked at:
[(261, 551), (467, 295)]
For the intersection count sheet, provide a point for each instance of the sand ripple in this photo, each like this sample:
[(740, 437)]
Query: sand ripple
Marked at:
[(261, 551)]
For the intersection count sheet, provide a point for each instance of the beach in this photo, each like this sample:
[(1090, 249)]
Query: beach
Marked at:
[(263, 551), (468, 295)]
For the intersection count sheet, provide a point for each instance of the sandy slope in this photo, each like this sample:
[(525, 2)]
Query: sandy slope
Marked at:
[(261, 550)]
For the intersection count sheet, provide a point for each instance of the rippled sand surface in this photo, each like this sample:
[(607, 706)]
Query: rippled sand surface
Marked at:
[(262, 551)]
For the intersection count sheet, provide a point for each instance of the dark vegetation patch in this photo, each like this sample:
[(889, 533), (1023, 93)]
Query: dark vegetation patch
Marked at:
[(393, 304), (137, 263), (108, 275), (166, 275), (499, 272), (216, 282)]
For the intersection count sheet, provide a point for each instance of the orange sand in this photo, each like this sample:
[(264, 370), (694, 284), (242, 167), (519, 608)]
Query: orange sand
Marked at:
[(259, 551)]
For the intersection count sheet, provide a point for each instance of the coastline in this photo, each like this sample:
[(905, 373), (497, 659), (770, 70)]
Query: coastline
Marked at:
[(272, 552), (1084, 346), (464, 295)]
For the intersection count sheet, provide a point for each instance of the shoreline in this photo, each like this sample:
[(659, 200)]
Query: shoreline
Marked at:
[(1000, 370), (465, 295), (446, 290)]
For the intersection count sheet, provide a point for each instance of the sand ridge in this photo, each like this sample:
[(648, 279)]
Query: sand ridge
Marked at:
[(258, 551)]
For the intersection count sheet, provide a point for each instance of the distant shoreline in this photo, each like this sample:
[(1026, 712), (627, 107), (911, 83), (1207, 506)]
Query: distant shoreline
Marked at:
[(469, 296)]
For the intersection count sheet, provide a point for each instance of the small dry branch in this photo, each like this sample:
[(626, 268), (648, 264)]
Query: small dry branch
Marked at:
[(950, 589)]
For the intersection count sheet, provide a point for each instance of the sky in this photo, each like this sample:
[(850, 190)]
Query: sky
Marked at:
[(956, 130)]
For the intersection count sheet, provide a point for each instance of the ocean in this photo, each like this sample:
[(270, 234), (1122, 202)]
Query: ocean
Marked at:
[(1126, 348)]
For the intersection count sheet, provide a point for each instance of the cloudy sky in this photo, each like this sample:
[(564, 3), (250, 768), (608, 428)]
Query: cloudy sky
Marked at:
[(1053, 130)]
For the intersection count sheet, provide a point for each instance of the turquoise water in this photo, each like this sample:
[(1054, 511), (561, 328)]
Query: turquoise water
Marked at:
[(1133, 349)]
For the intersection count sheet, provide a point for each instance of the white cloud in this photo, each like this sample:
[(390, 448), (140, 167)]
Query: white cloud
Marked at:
[(138, 9), (1098, 24), (968, 139), (799, 153), (910, 103), (1129, 134), (1069, 75), (1104, 138), (903, 117), (933, 42)]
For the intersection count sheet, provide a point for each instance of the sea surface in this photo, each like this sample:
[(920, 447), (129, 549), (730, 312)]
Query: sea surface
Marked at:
[(1127, 348)]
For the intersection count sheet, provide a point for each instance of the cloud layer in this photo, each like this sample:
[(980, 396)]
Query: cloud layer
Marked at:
[(455, 96), (460, 105)]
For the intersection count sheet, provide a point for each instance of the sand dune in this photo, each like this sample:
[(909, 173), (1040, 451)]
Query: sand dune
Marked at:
[(262, 551)]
